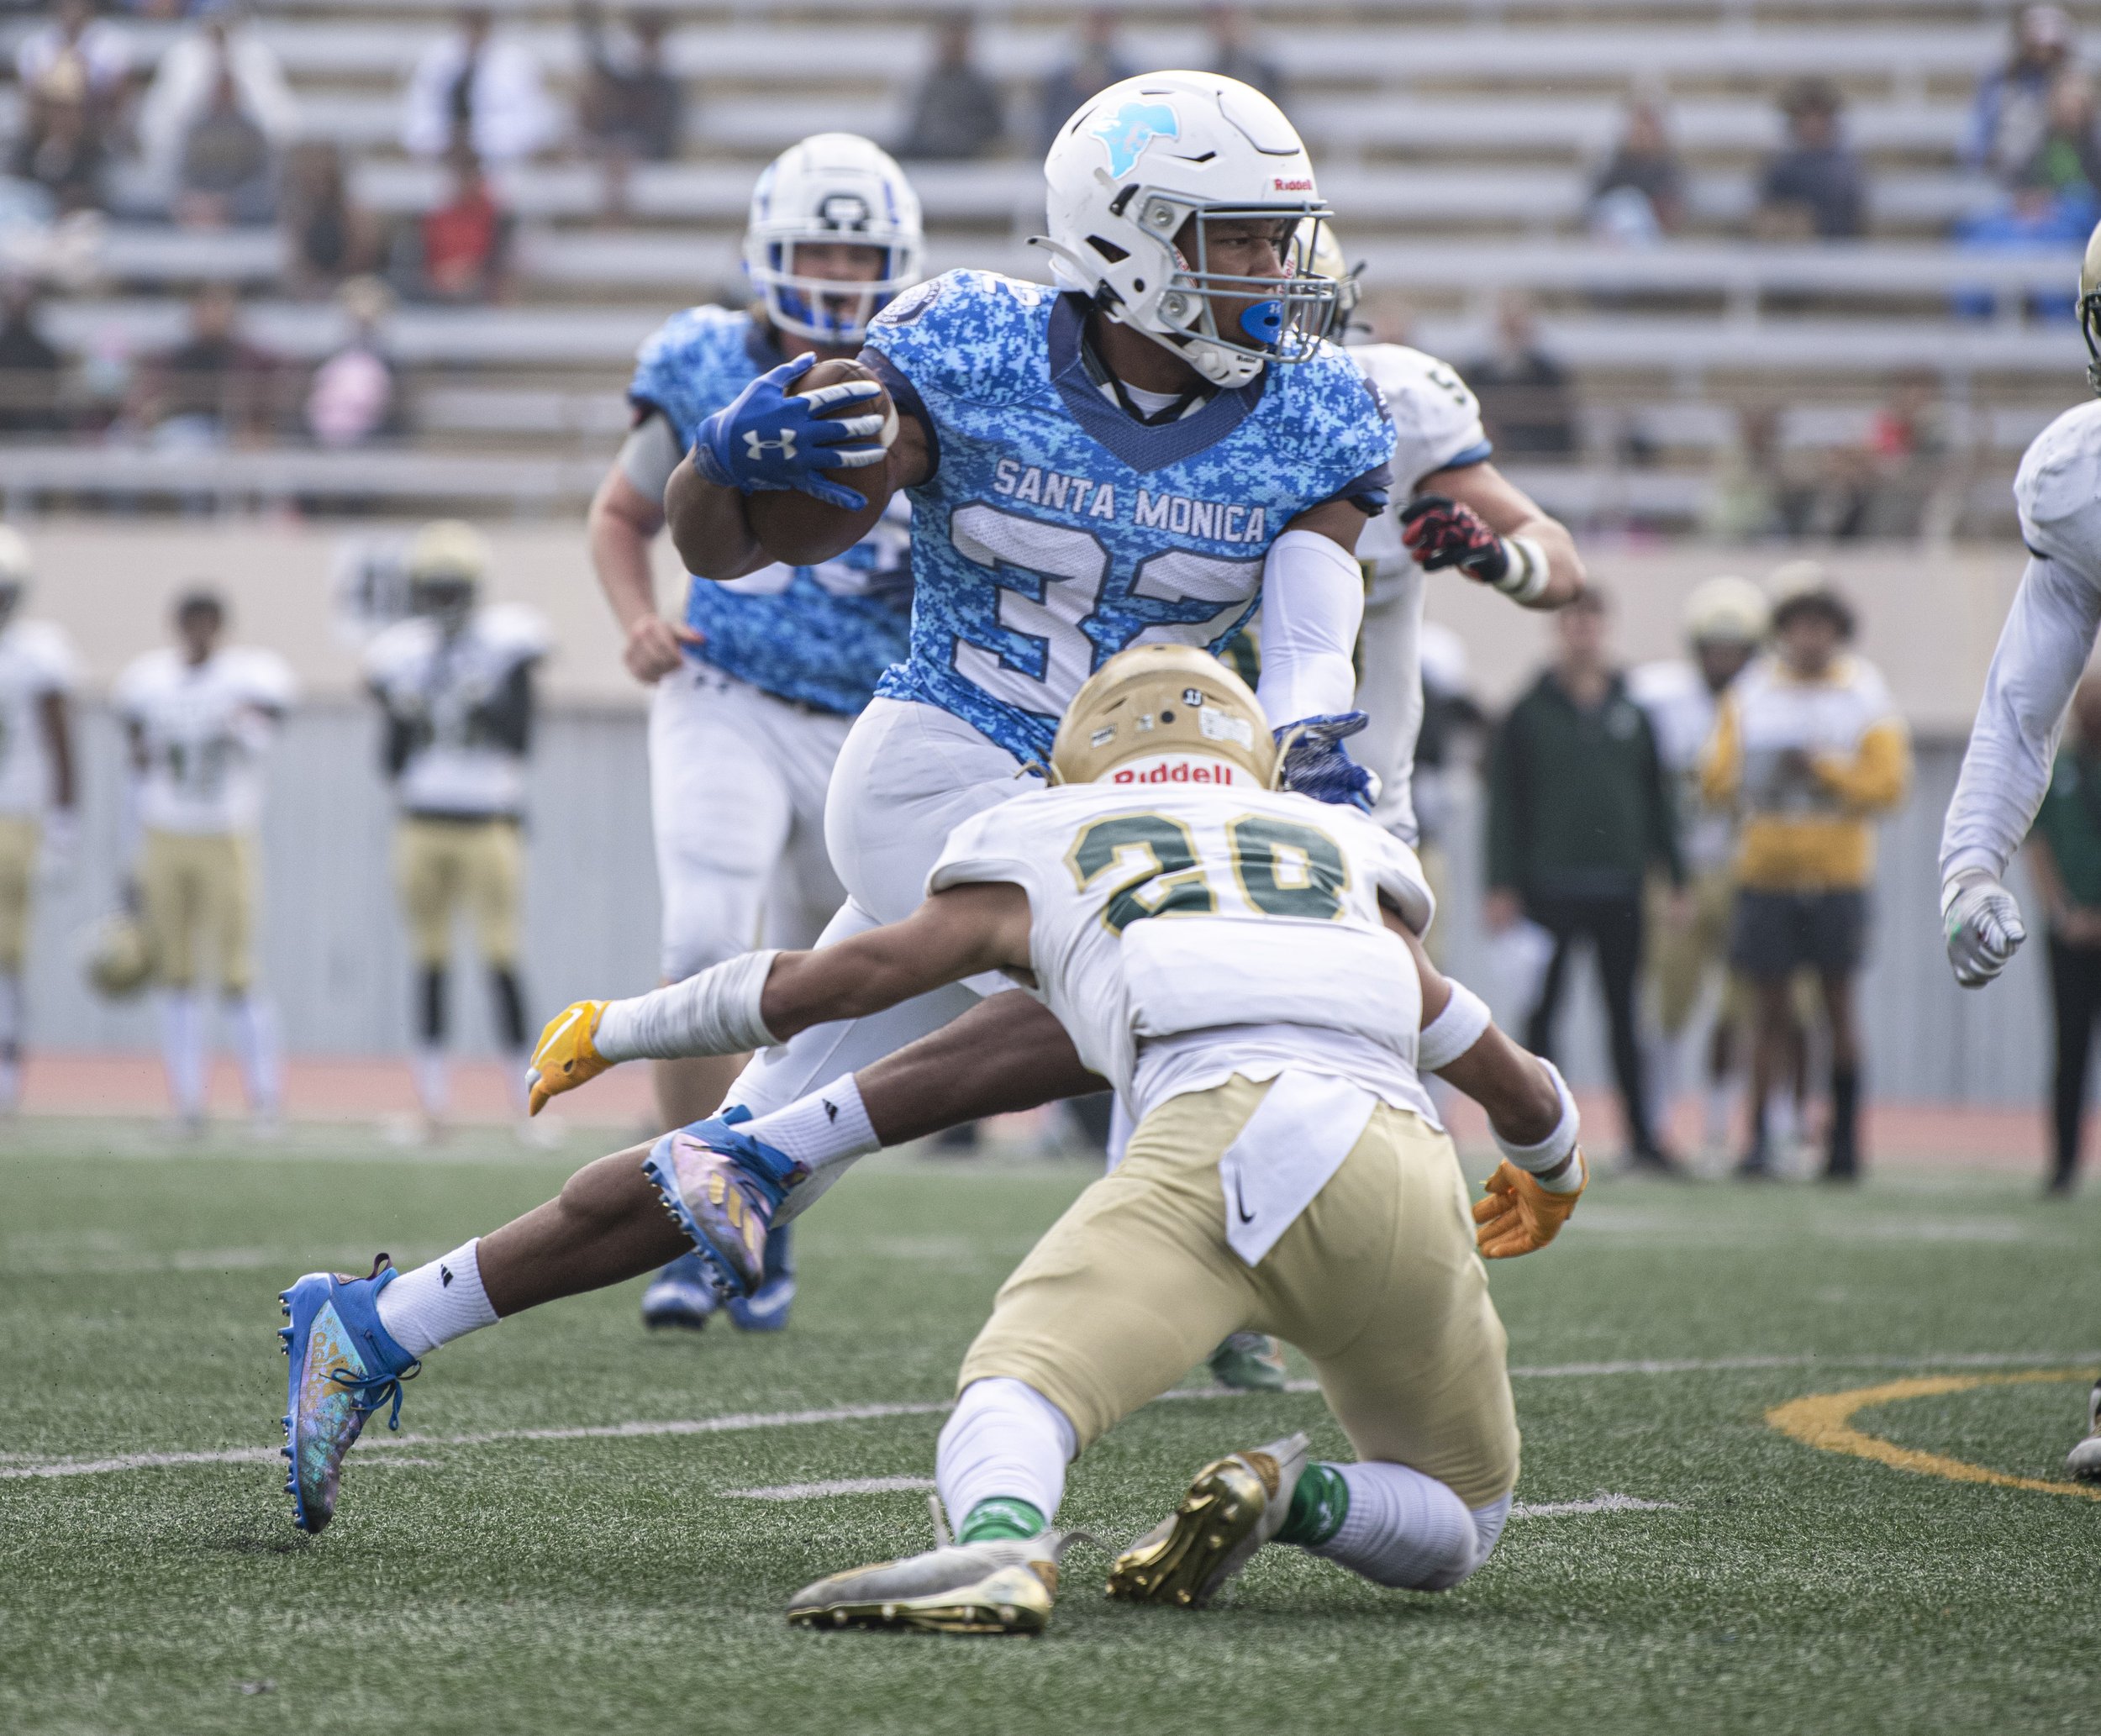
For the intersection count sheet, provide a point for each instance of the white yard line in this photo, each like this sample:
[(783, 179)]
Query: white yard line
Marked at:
[(837, 1485), (20, 1466), (1601, 1503)]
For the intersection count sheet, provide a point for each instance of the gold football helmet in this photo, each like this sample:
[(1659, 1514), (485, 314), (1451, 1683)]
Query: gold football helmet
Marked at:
[(1726, 611), (119, 956), (2090, 306), (1155, 700), (447, 559), (1327, 261)]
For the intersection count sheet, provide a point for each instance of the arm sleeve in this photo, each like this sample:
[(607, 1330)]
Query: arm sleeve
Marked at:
[(1878, 771), (1506, 807), (2048, 637), (1312, 604)]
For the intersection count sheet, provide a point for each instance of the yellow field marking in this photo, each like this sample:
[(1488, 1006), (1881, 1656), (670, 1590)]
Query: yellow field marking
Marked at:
[(1825, 1421)]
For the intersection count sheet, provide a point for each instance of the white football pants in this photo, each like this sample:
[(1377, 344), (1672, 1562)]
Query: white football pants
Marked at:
[(737, 783), (908, 776)]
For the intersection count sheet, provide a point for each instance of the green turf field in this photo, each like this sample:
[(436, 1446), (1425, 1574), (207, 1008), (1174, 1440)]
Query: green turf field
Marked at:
[(497, 1574)]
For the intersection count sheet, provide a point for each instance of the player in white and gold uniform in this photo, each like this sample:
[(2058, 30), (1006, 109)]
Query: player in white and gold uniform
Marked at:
[(1241, 964), (2043, 650), (200, 718), (456, 682), (39, 806)]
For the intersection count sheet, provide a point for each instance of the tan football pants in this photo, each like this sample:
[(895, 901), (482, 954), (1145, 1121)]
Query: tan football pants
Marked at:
[(198, 884), (441, 865), (1680, 959), (1377, 1283), (20, 836)]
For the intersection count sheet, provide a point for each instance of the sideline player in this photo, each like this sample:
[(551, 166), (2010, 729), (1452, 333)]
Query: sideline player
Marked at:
[(1119, 900), (1148, 453), (199, 717), (455, 682), (1725, 622), (756, 685), (2042, 651), (40, 807)]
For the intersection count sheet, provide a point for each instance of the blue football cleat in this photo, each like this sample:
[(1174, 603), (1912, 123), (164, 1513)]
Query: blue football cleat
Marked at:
[(344, 1368), (766, 1308), (724, 1187), (683, 1295)]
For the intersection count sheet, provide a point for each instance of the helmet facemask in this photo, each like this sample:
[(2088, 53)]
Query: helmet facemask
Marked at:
[(832, 312), (2090, 329), (832, 189)]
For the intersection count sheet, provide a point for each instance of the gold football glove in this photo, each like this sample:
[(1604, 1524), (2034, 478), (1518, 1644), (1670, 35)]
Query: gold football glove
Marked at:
[(565, 1057), (1520, 1217)]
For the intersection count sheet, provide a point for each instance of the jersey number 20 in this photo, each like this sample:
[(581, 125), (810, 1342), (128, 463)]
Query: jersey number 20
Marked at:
[(1282, 868)]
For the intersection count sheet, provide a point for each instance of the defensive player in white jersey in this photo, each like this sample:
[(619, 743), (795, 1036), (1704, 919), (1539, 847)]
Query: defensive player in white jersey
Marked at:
[(1242, 964), (1451, 508), (2043, 649), (455, 681), (39, 795), (200, 718), (1154, 451), (1725, 622), (755, 685)]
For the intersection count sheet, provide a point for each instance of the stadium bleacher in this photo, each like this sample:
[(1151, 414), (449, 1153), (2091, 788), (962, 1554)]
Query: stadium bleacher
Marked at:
[(1459, 139)]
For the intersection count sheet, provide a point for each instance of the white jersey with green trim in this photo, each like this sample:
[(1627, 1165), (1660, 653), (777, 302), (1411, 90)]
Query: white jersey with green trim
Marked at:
[(1185, 928)]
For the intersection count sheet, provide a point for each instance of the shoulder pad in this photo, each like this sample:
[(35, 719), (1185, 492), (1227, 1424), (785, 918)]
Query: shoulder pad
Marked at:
[(693, 363), (46, 648), (512, 628), (973, 335), (1436, 417)]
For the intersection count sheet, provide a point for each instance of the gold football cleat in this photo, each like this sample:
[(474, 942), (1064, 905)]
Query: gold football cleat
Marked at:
[(1006, 1587), (1233, 1507)]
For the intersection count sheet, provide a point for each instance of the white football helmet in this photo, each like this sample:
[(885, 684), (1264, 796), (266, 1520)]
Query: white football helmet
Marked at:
[(1136, 165), (831, 187)]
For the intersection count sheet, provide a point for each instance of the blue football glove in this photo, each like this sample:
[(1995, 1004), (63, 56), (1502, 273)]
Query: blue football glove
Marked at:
[(1316, 764), (770, 439)]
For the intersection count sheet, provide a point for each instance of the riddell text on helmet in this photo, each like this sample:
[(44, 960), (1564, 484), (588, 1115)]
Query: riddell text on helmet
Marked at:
[(1177, 768)]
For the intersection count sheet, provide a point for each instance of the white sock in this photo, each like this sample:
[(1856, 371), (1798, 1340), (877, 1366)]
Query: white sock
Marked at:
[(427, 1061), (437, 1303), (183, 1051), (10, 1043), (254, 1023), (1003, 1439), (1120, 1129), (823, 1129), (1782, 1122), (1721, 1110), (515, 1063), (1410, 1531)]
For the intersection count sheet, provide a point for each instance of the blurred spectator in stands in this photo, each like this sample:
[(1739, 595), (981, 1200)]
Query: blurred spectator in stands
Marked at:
[(1094, 66), (329, 237), (1815, 186), (1643, 166), (212, 388), (31, 369), (353, 397), (1579, 813), (2064, 861), (459, 251), (190, 113), (631, 109), (98, 49), (1758, 493), (2009, 116), (61, 147), (228, 173), (2066, 159), (957, 112), (1236, 54), (1885, 486), (479, 90), (1525, 400)]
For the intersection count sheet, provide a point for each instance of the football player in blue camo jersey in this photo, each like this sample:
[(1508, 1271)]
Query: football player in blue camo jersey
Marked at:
[(757, 683), (1152, 450)]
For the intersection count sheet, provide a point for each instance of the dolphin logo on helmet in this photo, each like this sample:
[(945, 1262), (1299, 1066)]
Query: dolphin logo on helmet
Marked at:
[(1136, 126)]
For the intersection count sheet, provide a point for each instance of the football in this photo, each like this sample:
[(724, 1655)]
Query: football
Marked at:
[(799, 528)]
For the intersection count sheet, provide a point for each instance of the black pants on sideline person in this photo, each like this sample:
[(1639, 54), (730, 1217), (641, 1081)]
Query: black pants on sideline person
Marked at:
[(1613, 922), (2075, 997)]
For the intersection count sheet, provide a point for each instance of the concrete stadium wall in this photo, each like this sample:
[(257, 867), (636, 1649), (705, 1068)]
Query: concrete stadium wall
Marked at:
[(332, 948)]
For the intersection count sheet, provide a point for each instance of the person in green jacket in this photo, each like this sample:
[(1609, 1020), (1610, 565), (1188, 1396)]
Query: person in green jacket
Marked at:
[(1580, 810)]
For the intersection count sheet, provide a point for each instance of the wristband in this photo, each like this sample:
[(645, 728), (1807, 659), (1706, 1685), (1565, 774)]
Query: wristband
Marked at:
[(1453, 1032), (715, 1012), (1527, 576), (1550, 1153)]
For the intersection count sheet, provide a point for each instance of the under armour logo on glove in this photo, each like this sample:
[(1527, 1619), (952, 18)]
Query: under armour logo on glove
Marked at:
[(771, 439), (1440, 533), (1317, 765)]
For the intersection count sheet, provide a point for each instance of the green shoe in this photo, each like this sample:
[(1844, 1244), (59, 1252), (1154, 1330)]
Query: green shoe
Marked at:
[(1249, 1362)]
